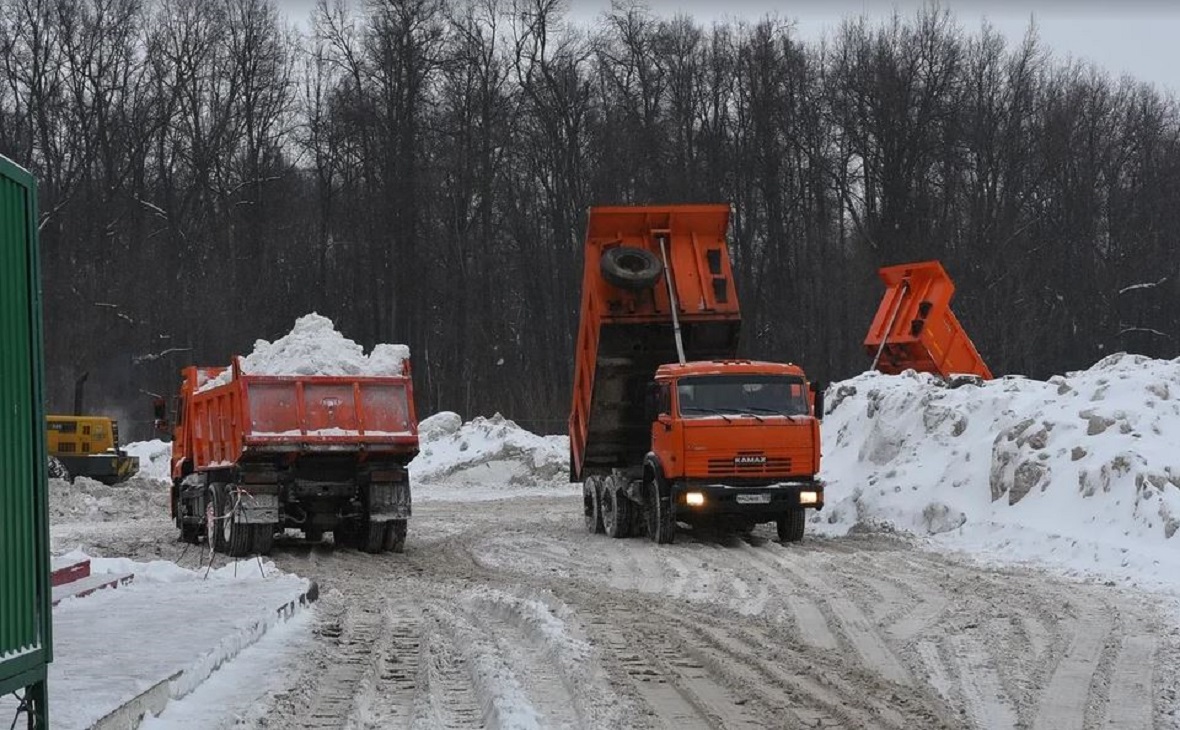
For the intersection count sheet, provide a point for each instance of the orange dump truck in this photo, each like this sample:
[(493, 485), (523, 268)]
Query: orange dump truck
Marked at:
[(666, 426), (915, 329), (261, 453)]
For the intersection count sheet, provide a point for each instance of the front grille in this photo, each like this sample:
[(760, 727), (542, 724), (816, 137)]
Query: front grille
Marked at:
[(774, 465)]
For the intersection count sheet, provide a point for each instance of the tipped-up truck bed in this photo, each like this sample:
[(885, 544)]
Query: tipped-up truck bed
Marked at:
[(666, 425), (260, 453), (915, 329)]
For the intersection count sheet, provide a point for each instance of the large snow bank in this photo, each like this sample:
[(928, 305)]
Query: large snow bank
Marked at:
[(87, 500), (488, 452), (169, 622), (1081, 470), (155, 458), (315, 347)]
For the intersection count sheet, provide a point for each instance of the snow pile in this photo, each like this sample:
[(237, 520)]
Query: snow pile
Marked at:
[(88, 500), (155, 458), (315, 347), (488, 451), (1081, 470)]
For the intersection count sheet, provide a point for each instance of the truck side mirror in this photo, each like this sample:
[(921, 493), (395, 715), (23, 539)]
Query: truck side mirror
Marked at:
[(817, 393)]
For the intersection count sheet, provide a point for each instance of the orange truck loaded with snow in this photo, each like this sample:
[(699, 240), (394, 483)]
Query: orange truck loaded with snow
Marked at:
[(253, 454), (666, 425)]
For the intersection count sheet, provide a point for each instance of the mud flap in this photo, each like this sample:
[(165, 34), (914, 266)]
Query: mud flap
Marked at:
[(389, 501)]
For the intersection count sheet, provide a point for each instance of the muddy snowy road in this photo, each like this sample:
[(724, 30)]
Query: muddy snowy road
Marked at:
[(506, 614)]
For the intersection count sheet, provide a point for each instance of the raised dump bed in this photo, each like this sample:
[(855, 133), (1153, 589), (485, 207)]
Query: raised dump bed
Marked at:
[(626, 323), (915, 329)]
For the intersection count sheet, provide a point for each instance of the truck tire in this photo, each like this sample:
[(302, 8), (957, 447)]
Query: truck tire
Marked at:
[(592, 506), (661, 525), (395, 536), (262, 538), (372, 536), (616, 512), (57, 470), (313, 534), (232, 538), (790, 525), (627, 267)]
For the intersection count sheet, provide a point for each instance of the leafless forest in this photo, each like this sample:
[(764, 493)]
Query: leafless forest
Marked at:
[(418, 170)]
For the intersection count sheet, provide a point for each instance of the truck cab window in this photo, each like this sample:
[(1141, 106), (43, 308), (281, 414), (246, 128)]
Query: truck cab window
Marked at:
[(758, 395)]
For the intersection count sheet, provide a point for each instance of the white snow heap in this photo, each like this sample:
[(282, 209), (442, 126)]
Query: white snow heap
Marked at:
[(315, 347), (155, 458), (1088, 456), (487, 451), (87, 500)]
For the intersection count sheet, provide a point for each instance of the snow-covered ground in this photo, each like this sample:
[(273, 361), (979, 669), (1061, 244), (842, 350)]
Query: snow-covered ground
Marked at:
[(169, 622), (1080, 473)]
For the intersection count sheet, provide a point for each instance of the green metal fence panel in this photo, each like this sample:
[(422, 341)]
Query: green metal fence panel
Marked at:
[(25, 592)]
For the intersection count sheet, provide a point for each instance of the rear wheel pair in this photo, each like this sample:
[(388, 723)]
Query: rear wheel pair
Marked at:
[(236, 539), (373, 537), (607, 510)]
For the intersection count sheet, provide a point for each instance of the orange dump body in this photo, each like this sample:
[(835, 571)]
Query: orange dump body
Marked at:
[(625, 335), (256, 417), (917, 327)]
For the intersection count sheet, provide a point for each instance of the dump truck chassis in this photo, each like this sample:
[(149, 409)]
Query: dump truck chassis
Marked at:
[(240, 516), (626, 503)]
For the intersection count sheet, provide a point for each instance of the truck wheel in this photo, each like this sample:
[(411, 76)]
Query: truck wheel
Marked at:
[(313, 534), (58, 470), (232, 538), (395, 536), (372, 536), (661, 527), (591, 505), (627, 267), (790, 525), (262, 538), (616, 513)]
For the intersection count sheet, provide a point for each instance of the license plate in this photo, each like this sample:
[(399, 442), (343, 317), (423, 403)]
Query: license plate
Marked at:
[(762, 498)]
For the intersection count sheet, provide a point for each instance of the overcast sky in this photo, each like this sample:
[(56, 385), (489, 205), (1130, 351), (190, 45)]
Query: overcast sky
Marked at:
[(1140, 38)]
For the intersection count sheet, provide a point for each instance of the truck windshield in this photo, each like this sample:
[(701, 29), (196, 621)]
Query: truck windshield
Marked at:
[(756, 395)]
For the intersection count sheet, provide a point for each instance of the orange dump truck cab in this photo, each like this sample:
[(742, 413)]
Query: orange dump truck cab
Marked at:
[(666, 425), (915, 329), (253, 455)]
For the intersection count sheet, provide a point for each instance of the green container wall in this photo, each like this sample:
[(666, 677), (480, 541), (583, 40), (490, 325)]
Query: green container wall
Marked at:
[(25, 613)]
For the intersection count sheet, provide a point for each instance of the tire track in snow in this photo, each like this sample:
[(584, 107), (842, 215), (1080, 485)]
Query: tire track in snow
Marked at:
[(1131, 692), (1064, 700), (445, 696), (852, 622), (979, 683)]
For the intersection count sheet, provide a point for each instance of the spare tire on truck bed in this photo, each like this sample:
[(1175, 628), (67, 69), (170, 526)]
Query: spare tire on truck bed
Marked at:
[(628, 267)]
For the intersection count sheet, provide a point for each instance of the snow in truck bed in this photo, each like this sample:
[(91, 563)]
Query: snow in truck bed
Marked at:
[(315, 347)]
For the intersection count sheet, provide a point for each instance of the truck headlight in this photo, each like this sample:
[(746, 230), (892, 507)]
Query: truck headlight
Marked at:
[(808, 497), (694, 499)]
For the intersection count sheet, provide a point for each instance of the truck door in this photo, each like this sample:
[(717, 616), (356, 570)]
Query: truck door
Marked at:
[(667, 433)]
